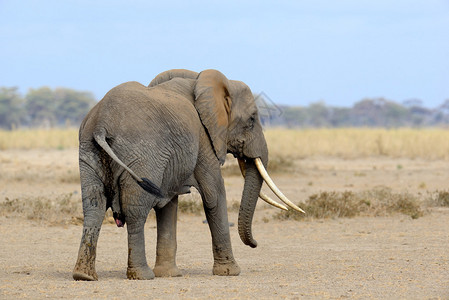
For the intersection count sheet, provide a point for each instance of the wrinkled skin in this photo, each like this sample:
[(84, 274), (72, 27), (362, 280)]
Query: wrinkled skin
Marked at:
[(175, 133)]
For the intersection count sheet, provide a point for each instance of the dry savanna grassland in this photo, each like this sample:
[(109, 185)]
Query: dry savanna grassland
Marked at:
[(376, 222)]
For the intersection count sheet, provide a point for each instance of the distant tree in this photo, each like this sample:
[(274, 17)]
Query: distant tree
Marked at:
[(318, 115), (412, 102), (420, 116), (62, 106), (41, 107), (396, 115), (72, 105), (293, 117), (369, 112), (441, 114), (444, 107), (11, 108), (379, 112), (340, 117)]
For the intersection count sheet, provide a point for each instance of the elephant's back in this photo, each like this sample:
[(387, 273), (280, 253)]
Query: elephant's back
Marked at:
[(133, 114), (132, 107)]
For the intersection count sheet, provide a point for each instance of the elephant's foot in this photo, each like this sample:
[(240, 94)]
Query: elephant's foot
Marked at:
[(167, 270), (87, 274), (229, 268), (141, 273)]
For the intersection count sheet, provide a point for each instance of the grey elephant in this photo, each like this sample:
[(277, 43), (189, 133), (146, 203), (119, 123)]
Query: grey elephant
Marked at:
[(140, 147)]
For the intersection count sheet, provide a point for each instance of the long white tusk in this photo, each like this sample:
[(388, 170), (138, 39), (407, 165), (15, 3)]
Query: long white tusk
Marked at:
[(273, 187), (261, 195)]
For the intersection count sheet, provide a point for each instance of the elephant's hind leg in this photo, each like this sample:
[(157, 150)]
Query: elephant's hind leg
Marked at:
[(94, 209), (166, 240), (137, 263), (136, 206)]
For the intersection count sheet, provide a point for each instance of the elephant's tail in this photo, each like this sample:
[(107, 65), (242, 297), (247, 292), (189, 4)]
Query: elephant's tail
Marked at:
[(145, 183)]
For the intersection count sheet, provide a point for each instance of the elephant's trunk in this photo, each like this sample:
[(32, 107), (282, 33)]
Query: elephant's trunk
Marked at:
[(253, 184)]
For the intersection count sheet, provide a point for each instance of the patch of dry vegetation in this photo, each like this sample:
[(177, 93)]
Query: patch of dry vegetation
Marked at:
[(63, 209), (66, 209), (379, 201), (60, 210)]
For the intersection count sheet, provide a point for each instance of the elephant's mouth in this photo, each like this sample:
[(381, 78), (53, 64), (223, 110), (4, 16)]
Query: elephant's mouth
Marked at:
[(236, 148), (267, 179)]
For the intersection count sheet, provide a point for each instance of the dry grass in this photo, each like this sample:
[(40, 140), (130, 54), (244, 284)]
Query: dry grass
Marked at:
[(32, 176), (431, 143), (39, 139)]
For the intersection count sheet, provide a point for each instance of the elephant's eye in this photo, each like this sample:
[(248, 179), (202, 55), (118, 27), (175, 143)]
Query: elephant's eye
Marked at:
[(251, 122)]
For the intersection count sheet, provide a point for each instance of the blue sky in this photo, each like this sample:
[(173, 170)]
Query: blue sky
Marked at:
[(296, 52)]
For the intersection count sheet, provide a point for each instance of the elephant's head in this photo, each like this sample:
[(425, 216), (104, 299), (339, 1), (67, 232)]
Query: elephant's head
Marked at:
[(229, 113)]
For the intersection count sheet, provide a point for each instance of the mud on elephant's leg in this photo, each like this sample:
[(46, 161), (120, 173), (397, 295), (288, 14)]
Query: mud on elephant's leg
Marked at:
[(165, 265), (94, 208), (85, 264)]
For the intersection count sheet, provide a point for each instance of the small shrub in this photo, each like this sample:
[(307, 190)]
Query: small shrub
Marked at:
[(190, 206), (11, 206), (406, 205), (443, 198), (325, 205), (333, 204), (439, 198), (235, 206)]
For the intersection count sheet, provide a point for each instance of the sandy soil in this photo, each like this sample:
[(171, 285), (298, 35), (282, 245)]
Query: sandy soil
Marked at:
[(385, 257)]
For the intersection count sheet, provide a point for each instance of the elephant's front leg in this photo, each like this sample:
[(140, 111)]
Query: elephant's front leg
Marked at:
[(224, 262), (214, 201), (166, 240)]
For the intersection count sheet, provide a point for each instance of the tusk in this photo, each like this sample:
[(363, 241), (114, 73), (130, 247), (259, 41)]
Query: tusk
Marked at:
[(271, 201), (273, 187), (261, 195), (242, 166)]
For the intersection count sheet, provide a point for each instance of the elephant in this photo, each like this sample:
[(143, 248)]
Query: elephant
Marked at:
[(141, 147)]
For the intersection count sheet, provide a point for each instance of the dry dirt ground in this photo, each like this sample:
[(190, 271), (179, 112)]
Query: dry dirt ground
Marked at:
[(392, 257)]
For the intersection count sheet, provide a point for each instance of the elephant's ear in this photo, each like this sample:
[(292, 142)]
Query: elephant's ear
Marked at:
[(170, 74), (213, 103)]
